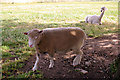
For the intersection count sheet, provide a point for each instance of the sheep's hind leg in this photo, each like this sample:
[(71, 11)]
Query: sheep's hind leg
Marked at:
[(78, 58), (51, 62)]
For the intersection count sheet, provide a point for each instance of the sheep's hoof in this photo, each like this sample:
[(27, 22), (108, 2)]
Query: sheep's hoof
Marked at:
[(50, 66), (34, 68), (74, 65)]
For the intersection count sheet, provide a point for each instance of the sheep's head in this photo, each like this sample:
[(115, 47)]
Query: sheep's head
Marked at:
[(103, 9), (33, 36)]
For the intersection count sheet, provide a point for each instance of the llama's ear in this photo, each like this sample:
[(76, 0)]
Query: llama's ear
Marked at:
[(25, 33), (106, 8)]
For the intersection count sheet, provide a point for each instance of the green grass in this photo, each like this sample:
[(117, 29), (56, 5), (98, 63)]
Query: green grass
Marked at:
[(19, 18)]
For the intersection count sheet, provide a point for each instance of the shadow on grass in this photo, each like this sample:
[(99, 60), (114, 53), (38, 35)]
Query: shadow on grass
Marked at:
[(90, 29)]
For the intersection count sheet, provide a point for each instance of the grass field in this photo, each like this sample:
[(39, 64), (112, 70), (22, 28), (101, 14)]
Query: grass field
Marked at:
[(19, 18)]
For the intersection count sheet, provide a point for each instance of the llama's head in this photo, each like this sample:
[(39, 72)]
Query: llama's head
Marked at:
[(103, 9)]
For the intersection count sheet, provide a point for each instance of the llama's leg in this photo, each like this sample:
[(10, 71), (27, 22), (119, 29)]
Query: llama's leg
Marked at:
[(36, 62), (100, 23), (78, 58)]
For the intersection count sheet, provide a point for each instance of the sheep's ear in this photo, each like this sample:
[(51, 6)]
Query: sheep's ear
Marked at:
[(40, 31), (26, 33)]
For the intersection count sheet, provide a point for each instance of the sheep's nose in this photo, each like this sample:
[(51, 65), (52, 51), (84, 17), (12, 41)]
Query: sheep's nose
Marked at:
[(26, 33)]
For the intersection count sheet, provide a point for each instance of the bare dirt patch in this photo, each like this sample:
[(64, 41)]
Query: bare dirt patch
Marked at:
[(99, 53)]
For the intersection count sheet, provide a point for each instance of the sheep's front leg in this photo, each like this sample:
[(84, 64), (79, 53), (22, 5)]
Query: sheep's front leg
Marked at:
[(78, 58), (36, 62)]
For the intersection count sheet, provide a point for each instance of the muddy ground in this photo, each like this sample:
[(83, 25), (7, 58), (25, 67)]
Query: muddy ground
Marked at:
[(99, 53)]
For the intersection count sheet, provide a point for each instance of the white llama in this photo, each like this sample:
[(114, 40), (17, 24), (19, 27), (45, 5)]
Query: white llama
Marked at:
[(95, 19)]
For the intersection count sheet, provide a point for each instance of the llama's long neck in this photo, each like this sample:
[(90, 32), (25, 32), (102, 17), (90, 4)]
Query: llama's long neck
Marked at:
[(101, 15)]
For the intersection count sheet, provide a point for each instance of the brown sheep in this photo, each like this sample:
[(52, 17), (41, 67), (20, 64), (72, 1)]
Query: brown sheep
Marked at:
[(53, 40)]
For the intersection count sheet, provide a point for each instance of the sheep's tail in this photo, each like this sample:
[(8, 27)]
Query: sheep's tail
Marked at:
[(85, 36)]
